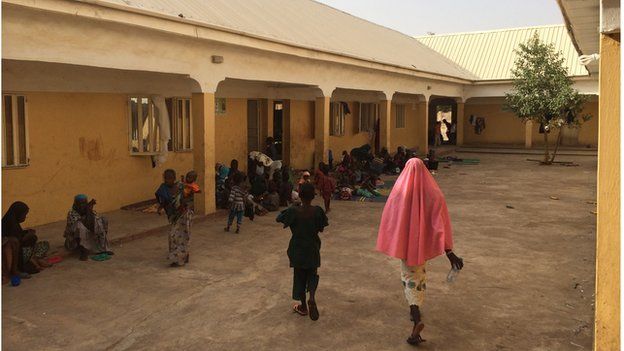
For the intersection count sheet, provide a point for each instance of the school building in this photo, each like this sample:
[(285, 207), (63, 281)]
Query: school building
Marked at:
[(85, 84)]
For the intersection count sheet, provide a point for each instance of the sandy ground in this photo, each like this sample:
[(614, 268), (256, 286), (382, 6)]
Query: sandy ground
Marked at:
[(528, 282)]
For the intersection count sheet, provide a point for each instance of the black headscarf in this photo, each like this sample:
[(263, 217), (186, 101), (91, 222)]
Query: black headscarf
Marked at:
[(11, 220)]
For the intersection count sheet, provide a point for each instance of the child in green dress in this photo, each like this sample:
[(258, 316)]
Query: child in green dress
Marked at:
[(304, 249)]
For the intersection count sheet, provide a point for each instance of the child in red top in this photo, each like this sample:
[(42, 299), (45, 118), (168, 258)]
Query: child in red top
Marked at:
[(326, 185), (190, 188)]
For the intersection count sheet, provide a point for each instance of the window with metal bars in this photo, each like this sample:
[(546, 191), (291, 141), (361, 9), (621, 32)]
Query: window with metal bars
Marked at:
[(15, 152)]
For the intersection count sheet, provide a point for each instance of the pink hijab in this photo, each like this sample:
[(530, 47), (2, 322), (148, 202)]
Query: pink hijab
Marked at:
[(415, 224)]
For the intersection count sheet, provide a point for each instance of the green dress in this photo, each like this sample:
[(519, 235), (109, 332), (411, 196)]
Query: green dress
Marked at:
[(304, 249)]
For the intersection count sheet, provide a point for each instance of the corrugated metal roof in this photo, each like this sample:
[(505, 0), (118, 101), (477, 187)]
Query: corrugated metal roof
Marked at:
[(309, 24), (490, 55)]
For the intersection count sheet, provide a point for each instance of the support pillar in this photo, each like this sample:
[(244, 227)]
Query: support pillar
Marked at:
[(203, 109), (321, 129), (607, 315), (423, 127), (385, 125), (528, 135), (461, 119)]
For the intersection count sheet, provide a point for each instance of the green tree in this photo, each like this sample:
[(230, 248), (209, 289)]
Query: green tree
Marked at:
[(543, 93)]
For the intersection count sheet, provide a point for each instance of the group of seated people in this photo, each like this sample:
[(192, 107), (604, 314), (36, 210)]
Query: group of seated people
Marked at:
[(359, 171), (23, 254)]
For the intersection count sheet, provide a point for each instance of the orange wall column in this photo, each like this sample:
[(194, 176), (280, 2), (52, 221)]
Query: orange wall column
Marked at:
[(385, 125), (321, 129), (203, 109), (459, 127), (607, 317)]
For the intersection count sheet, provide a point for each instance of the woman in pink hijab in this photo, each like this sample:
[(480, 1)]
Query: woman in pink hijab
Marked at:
[(415, 227)]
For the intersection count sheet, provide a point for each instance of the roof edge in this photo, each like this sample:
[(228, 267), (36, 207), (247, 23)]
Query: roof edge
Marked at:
[(489, 31)]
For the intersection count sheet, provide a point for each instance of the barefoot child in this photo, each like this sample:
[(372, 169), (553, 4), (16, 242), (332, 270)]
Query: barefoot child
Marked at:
[(326, 186), (304, 249), (237, 203)]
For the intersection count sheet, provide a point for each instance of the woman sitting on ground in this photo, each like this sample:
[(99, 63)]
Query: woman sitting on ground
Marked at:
[(32, 252), (85, 229)]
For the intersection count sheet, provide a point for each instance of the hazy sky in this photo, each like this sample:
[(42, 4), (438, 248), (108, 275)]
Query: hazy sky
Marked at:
[(417, 17)]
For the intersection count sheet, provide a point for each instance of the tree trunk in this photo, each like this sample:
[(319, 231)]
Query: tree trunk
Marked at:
[(546, 150), (559, 137)]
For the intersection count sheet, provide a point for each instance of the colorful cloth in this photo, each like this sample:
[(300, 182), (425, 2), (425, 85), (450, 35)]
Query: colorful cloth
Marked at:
[(173, 204), (415, 224), (414, 279), (179, 237), (94, 241)]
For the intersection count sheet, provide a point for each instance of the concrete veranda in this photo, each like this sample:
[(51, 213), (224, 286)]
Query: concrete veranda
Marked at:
[(528, 282)]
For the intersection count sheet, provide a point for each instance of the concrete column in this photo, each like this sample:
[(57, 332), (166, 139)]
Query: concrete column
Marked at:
[(528, 135), (321, 129), (607, 315), (385, 124), (461, 119), (423, 127), (203, 109)]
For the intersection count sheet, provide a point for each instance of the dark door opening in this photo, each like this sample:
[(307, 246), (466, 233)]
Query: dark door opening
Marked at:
[(278, 128)]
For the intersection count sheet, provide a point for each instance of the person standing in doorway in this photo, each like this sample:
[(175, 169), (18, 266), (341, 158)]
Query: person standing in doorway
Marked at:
[(448, 130), (415, 228), (437, 134)]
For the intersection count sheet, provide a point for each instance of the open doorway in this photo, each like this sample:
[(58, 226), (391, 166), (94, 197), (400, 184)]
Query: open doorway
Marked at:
[(443, 121), (278, 128)]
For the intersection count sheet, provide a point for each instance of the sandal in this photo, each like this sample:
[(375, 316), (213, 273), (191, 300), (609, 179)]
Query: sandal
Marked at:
[(298, 309), (314, 313), (415, 339)]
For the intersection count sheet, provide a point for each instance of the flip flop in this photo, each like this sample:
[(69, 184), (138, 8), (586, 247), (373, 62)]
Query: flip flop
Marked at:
[(55, 259), (297, 310), (101, 257)]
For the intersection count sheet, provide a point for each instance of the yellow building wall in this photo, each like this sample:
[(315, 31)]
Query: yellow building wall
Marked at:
[(79, 144), (607, 315), (351, 138), (301, 134), (407, 136), (501, 127), (588, 133), (231, 133)]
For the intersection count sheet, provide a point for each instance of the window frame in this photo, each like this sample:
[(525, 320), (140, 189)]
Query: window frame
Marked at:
[(370, 119), (174, 127), (15, 122), (336, 110), (140, 126), (400, 117)]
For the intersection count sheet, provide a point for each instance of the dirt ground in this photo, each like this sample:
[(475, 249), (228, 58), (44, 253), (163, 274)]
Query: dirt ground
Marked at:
[(528, 282)]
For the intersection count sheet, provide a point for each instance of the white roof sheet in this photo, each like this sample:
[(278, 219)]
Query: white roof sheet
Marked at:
[(309, 24)]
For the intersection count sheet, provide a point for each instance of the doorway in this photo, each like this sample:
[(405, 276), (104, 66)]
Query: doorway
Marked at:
[(253, 125), (444, 111), (278, 128)]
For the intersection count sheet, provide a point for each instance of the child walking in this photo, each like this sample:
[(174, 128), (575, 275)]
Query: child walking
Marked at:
[(304, 249), (236, 203), (326, 185)]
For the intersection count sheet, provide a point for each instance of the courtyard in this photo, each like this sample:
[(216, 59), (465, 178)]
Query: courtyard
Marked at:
[(526, 233)]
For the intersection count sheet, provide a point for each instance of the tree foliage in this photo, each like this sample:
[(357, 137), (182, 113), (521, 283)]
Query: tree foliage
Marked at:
[(542, 92)]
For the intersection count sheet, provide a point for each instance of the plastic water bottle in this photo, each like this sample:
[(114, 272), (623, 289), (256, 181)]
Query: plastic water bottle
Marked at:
[(452, 275)]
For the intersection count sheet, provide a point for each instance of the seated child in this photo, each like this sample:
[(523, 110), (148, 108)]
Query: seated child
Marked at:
[(271, 201), (304, 249)]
